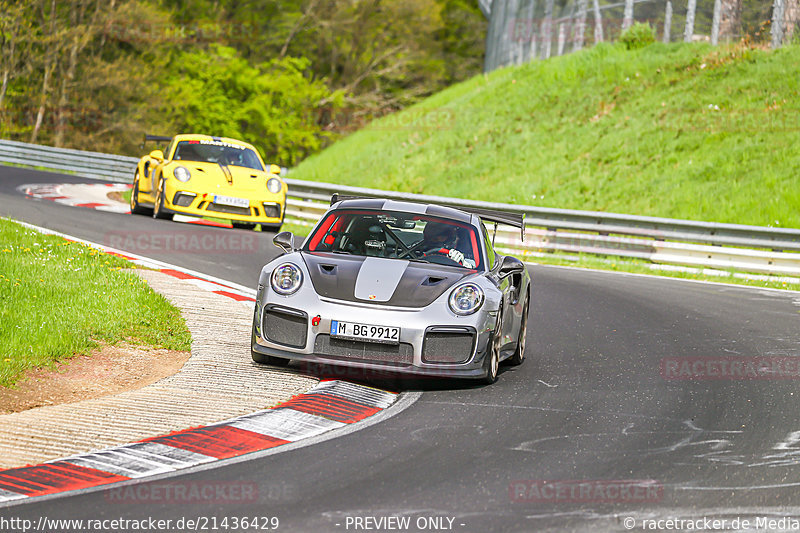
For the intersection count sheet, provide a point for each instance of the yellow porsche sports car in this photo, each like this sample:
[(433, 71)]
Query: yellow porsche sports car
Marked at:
[(204, 176)]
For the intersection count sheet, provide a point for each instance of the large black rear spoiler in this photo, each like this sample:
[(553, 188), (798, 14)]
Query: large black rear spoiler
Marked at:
[(516, 220), (157, 138)]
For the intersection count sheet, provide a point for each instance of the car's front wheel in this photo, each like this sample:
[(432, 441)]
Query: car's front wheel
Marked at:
[(491, 363), (243, 225), (519, 353), (159, 211), (136, 208)]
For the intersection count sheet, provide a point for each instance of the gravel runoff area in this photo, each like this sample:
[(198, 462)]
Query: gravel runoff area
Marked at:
[(218, 382)]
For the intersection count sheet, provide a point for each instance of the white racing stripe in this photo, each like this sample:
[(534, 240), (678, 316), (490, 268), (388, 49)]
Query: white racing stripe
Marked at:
[(378, 278)]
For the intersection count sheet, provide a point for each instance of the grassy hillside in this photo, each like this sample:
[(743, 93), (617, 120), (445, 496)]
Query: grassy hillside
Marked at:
[(681, 131)]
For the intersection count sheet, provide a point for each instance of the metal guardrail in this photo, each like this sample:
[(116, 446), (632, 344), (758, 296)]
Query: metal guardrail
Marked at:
[(95, 165), (660, 240)]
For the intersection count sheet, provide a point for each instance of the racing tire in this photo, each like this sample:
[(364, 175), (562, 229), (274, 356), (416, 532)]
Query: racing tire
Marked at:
[(136, 208), (158, 212), (272, 227), (519, 353), (491, 363), (262, 359), (243, 225)]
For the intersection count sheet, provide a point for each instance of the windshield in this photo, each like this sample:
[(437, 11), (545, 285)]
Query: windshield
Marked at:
[(397, 235), (224, 153)]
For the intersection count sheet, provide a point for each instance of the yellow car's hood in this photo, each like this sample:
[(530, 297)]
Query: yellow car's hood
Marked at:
[(231, 179)]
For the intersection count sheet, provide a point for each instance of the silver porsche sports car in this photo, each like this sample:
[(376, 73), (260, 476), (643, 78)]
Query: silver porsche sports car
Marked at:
[(395, 286)]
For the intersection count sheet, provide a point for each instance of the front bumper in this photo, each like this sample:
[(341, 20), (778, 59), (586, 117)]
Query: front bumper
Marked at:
[(431, 342), (268, 209)]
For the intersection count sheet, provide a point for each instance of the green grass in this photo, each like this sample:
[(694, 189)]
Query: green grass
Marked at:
[(61, 298), (681, 131)]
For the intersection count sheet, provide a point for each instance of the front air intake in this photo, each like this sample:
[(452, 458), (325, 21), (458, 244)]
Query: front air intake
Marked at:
[(285, 326), (448, 344)]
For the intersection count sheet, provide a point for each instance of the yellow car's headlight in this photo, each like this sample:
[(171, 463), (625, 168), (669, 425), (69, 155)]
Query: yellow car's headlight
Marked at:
[(182, 174), (274, 185)]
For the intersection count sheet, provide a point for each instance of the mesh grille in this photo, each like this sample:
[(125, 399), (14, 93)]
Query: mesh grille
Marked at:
[(368, 351), (230, 209), (285, 329), (446, 347), (272, 210), (183, 200)]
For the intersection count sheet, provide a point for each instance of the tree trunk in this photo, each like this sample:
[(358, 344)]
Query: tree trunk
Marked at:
[(598, 23), (48, 69), (715, 22), (562, 38), (791, 16), (49, 66), (667, 22), (547, 29), (4, 87), (777, 23), (580, 26), (730, 19), (529, 37), (688, 31), (627, 16)]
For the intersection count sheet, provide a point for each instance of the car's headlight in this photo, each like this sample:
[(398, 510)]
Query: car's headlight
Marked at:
[(466, 299), (286, 279), (274, 185), (182, 174)]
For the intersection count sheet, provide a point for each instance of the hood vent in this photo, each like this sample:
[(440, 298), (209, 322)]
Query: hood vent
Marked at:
[(433, 280), (330, 270)]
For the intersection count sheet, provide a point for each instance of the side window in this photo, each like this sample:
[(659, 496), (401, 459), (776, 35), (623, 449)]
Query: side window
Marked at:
[(169, 149), (487, 243)]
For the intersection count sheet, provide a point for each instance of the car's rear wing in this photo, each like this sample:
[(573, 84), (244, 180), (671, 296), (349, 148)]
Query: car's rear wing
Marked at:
[(516, 220), (157, 138)]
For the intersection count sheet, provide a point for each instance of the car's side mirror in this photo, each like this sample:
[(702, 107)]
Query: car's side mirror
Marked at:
[(285, 241), (510, 265), (274, 169), (157, 154)]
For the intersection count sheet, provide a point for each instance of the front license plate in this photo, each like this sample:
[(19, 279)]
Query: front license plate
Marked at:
[(365, 332), (233, 201)]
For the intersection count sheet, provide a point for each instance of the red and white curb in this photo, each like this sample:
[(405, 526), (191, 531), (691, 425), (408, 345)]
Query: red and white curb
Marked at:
[(95, 196), (327, 406), (89, 195)]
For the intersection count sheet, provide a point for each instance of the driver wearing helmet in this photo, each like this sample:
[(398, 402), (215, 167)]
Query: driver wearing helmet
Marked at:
[(441, 238)]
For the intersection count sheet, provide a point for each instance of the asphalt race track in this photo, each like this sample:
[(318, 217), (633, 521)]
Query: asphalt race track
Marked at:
[(597, 428)]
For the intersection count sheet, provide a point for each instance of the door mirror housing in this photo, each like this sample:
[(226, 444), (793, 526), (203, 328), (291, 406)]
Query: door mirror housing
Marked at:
[(274, 169), (157, 154), (510, 265), (285, 241)]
